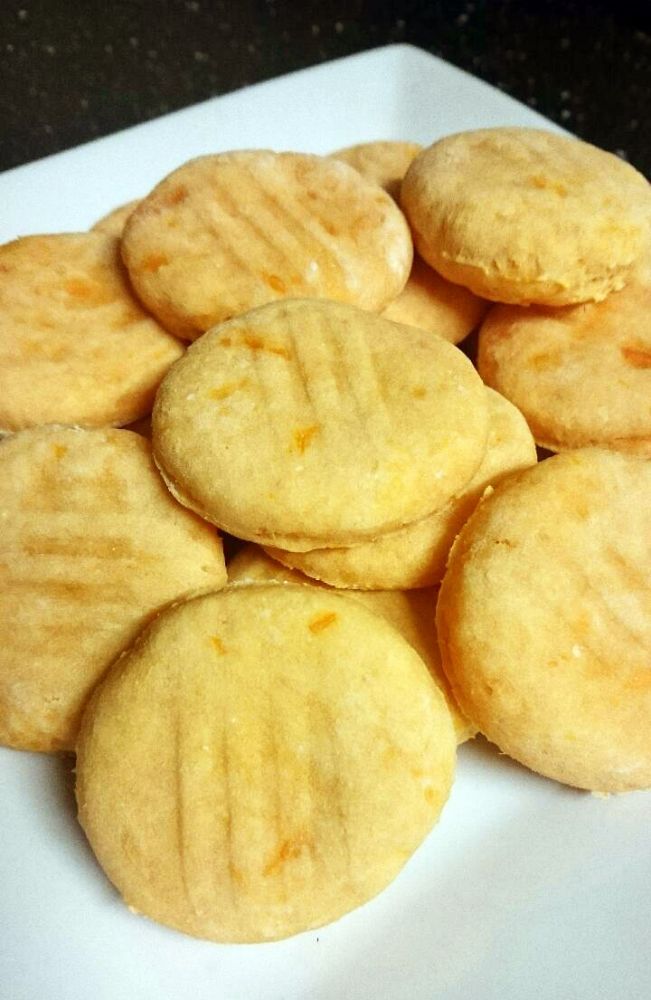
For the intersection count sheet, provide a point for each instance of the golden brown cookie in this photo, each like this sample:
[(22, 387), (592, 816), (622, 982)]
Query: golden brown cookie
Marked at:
[(305, 424), (412, 612), (384, 162), (92, 545), (524, 216), (75, 345), (226, 233), (581, 375), (115, 221), (262, 761), (544, 619), (431, 303), (415, 556)]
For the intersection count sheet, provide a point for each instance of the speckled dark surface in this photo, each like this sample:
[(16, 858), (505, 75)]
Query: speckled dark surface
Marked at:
[(71, 71)]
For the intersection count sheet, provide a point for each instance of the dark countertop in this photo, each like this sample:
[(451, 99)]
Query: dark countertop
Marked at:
[(70, 71)]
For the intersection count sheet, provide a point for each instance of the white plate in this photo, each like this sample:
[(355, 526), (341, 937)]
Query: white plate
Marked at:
[(526, 889)]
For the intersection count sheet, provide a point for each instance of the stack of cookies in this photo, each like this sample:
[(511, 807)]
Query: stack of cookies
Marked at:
[(552, 228), (544, 615), (258, 754)]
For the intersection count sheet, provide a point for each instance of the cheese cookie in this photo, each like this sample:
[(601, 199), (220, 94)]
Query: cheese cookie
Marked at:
[(544, 619), (75, 345), (92, 545), (226, 233), (304, 424), (580, 375), (525, 216), (431, 303), (384, 162), (262, 761)]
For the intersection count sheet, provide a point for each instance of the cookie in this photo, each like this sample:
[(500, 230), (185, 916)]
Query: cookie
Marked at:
[(384, 162), (523, 216), (262, 761), (75, 345), (431, 303), (411, 612), (304, 424), (415, 556), (544, 619), (114, 222), (227, 233), (581, 375), (92, 545)]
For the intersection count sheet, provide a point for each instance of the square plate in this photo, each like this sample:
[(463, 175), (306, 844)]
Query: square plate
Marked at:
[(524, 889)]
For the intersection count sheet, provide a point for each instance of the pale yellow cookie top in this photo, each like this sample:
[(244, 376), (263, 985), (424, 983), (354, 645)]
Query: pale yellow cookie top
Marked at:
[(262, 761), (308, 423), (382, 161), (91, 546), (412, 612), (233, 231), (416, 555), (114, 221), (432, 303), (75, 344), (524, 216), (544, 619), (581, 375)]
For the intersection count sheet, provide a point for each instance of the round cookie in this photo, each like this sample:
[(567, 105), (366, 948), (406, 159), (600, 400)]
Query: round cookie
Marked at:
[(416, 555), (75, 345), (227, 233), (92, 545), (544, 619), (304, 424), (114, 222), (525, 216), (580, 375), (384, 162), (411, 612), (262, 761), (431, 303)]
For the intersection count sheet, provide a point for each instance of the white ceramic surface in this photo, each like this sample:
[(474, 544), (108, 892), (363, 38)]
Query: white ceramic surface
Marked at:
[(525, 889)]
